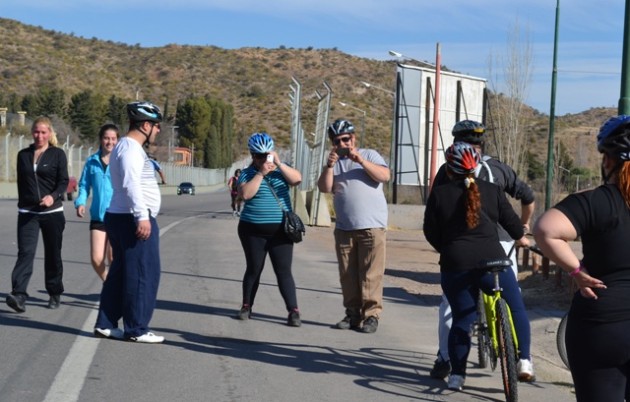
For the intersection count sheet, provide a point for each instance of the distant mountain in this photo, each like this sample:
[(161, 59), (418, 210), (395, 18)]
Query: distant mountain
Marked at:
[(254, 80)]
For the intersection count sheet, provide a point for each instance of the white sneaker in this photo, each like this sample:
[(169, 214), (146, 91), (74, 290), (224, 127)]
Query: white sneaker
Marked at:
[(525, 370), (113, 333), (456, 382), (149, 337)]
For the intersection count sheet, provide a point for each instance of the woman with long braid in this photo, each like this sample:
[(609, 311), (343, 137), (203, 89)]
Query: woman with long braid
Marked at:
[(460, 222)]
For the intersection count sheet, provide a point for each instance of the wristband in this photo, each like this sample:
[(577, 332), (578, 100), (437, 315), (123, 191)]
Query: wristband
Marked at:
[(576, 271)]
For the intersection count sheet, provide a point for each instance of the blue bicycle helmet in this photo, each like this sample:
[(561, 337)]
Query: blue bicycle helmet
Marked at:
[(469, 131), (614, 137), (339, 127), (260, 143), (144, 111), (462, 158)]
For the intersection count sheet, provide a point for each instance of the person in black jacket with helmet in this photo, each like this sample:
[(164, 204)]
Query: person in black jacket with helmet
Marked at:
[(460, 222), (494, 171), (42, 179)]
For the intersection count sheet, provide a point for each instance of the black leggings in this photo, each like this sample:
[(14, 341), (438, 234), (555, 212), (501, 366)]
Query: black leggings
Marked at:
[(258, 241), (599, 356)]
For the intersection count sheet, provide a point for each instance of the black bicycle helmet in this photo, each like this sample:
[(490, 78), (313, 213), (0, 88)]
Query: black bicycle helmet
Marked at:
[(469, 131), (462, 158), (144, 111), (614, 137), (339, 127)]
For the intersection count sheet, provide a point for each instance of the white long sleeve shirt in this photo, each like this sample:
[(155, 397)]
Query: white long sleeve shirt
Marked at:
[(133, 180)]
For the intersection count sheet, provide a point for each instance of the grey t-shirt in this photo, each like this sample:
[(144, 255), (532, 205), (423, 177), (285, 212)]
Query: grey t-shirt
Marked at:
[(359, 200)]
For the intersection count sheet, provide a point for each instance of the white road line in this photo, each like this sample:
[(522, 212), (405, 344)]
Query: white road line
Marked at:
[(71, 376)]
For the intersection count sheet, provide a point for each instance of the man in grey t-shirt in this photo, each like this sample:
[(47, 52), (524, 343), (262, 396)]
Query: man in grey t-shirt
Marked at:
[(355, 177)]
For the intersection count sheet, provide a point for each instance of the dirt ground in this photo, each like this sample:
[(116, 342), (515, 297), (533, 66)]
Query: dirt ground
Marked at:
[(412, 265)]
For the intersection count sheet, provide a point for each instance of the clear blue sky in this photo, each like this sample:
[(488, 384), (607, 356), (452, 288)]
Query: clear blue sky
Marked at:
[(470, 33)]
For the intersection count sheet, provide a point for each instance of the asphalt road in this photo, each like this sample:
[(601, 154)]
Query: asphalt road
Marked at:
[(51, 355)]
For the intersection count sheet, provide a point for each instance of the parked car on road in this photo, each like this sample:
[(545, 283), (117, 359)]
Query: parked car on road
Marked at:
[(186, 187)]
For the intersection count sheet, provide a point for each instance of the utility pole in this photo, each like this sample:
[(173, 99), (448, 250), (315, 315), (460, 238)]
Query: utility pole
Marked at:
[(624, 100), (552, 114)]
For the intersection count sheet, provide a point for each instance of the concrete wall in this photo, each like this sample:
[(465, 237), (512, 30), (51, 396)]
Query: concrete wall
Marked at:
[(405, 216)]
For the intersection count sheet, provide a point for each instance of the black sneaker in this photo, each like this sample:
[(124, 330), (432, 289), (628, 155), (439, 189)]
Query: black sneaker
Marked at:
[(294, 318), (370, 325), (245, 313), (347, 323), (17, 302), (441, 368), (54, 302)]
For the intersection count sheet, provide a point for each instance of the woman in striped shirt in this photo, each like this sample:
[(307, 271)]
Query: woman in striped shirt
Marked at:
[(260, 227)]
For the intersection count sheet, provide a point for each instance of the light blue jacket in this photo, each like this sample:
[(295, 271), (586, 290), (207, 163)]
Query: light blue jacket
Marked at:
[(95, 176)]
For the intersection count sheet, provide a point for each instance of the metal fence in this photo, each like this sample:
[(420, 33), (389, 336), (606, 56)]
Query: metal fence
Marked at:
[(11, 145)]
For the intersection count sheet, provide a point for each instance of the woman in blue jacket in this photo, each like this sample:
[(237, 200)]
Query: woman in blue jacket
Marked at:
[(96, 176)]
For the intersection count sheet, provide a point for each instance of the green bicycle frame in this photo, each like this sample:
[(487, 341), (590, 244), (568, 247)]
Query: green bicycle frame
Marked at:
[(489, 304)]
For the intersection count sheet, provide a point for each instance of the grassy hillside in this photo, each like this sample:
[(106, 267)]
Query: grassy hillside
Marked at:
[(254, 80)]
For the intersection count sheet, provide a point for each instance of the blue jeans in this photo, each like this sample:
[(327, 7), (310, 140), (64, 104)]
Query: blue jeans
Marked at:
[(28, 228), (130, 290), (462, 291)]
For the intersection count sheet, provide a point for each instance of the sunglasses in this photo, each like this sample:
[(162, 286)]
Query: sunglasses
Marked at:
[(346, 140), (260, 156)]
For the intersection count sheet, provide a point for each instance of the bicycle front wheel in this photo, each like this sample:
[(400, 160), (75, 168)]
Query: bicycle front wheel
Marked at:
[(483, 341), (560, 341), (507, 352)]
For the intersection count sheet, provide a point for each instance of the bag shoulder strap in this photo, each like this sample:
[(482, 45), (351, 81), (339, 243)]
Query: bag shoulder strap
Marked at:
[(274, 194)]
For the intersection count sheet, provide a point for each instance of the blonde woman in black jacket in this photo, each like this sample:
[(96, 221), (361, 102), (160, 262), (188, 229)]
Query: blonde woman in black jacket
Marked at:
[(42, 176)]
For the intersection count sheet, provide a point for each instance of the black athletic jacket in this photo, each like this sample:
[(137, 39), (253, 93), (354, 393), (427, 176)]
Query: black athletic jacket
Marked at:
[(51, 178)]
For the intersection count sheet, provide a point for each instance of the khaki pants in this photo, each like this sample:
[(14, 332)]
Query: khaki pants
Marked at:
[(361, 257)]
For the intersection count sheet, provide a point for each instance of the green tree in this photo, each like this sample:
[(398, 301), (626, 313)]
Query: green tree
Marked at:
[(116, 111), (206, 123), (193, 120), (52, 102), (535, 168), (13, 103), (30, 105), (87, 112)]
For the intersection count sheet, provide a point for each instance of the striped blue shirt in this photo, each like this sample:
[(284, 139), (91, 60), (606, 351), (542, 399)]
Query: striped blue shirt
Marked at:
[(263, 207)]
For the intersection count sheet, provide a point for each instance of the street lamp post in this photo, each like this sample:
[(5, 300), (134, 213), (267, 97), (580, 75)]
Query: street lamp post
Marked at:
[(392, 140), (362, 121), (369, 85), (404, 56), (171, 143)]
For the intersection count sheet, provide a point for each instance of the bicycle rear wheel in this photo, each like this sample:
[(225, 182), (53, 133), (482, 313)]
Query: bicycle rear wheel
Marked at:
[(507, 352), (560, 342), (483, 341)]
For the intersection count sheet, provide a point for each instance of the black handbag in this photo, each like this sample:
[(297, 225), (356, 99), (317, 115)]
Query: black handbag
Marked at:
[(293, 226), (291, 222)]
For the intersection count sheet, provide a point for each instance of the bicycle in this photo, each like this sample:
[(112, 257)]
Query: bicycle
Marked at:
[(497, 335)]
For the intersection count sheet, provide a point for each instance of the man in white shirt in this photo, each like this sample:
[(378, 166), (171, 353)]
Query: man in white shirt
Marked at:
[(130, 291)]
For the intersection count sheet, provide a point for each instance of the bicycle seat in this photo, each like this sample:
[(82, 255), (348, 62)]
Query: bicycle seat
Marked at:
[(495, 265)]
